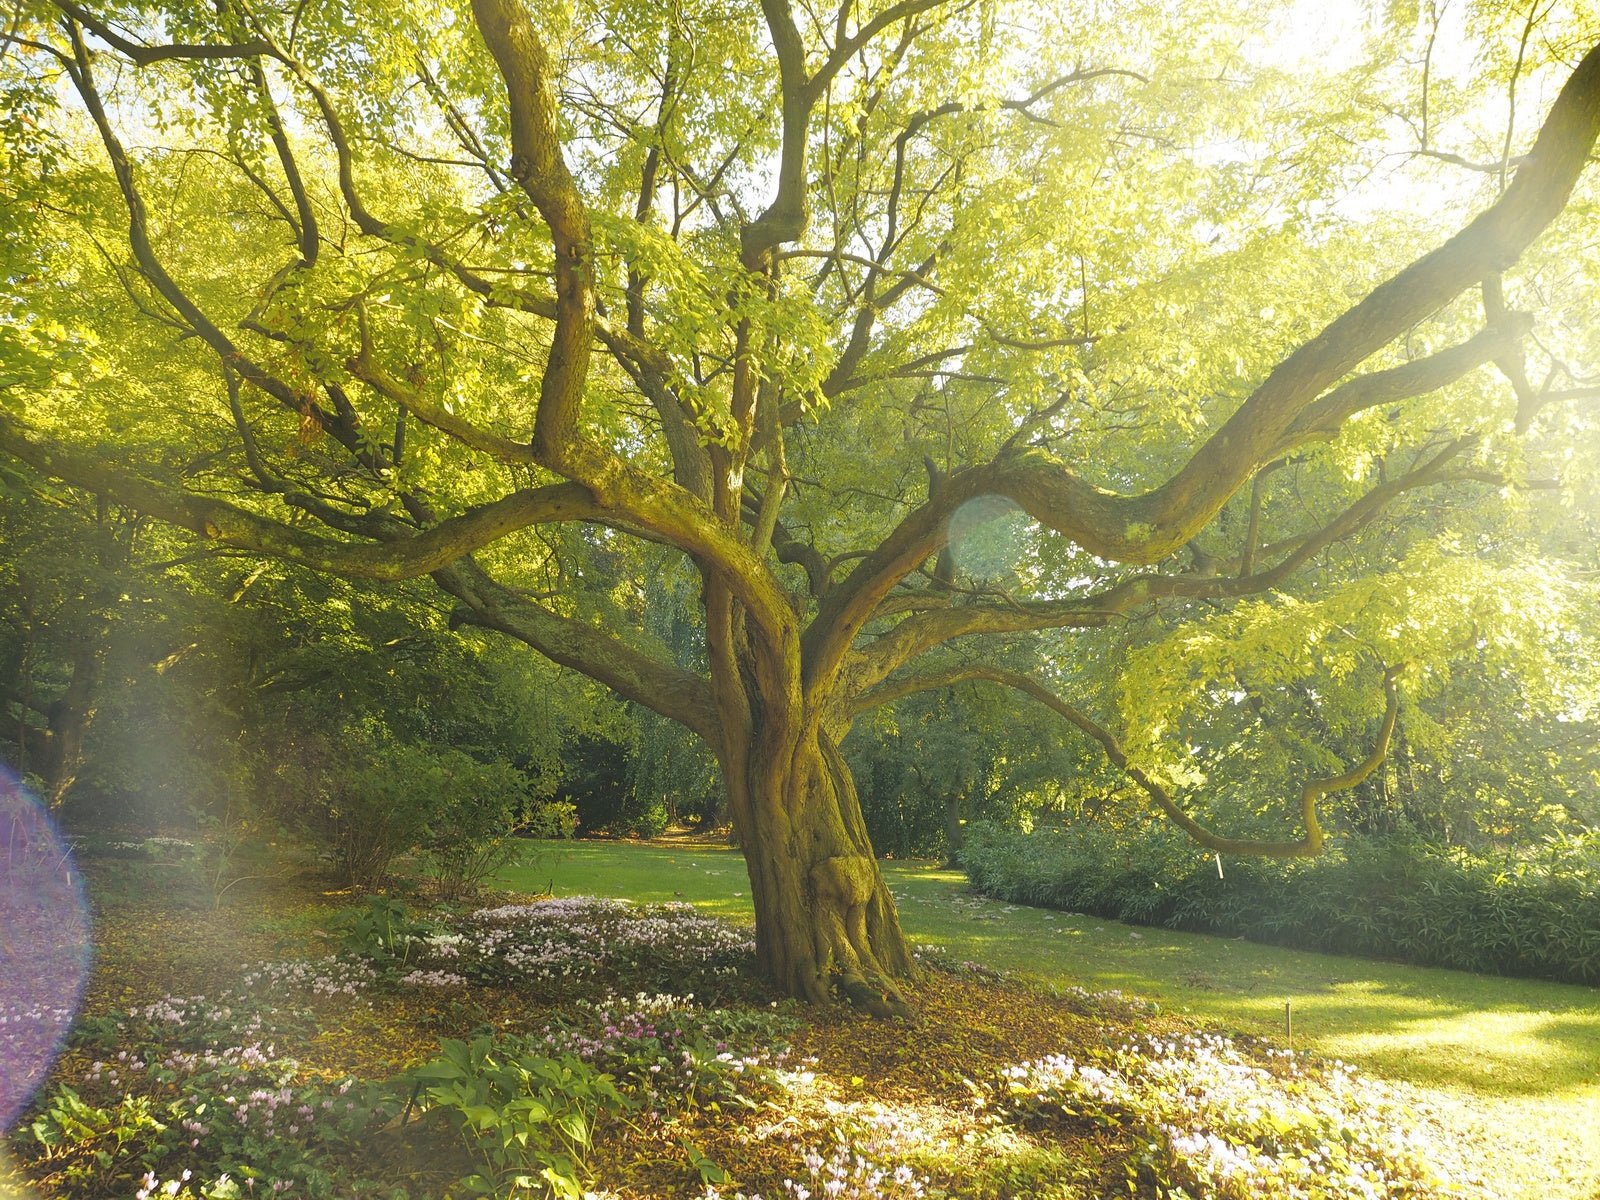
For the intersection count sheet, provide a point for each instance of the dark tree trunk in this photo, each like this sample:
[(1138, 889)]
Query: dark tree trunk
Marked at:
[(69, 718), (953, 831)]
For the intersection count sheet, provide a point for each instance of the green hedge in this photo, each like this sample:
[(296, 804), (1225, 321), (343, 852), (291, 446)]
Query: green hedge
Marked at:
[(1396, 899)]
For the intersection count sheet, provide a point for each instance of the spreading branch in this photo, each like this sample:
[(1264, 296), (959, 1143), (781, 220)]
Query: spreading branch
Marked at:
[(1282, 413), (402, 555), (921, 632)]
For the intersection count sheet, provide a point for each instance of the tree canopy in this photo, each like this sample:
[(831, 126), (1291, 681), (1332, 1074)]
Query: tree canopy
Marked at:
[(888, 346)]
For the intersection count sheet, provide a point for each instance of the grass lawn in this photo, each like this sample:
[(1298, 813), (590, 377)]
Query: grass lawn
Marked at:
[(1515, 1063)]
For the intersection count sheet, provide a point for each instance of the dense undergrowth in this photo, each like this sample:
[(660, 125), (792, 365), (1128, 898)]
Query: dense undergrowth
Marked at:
[(579, 1046), (1395, 898)]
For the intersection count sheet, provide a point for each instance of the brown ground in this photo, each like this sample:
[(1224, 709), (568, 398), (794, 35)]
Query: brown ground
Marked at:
[(156, 936)]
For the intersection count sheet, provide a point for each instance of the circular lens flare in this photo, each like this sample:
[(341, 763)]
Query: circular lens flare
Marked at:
[(44, 945)]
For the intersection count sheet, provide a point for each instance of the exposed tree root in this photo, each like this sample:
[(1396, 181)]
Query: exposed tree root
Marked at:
[(877, 996)]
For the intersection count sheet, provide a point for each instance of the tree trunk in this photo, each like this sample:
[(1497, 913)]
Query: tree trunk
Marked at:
[(70, 717), (824, 916), (953, 830)]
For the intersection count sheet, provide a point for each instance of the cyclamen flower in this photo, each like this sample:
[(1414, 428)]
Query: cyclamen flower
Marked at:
[(422, 978)]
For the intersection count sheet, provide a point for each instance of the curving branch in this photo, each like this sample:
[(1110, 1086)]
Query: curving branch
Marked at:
[(921, 632), (414, 400), (305, 223), (660, 686), (1309, 845), (634, 499), (401, 555), (1324, 418), (786, 215), (1292, 406), (1047, 490), (1490, 243), (440, 551), (144, 54), (197, 321)]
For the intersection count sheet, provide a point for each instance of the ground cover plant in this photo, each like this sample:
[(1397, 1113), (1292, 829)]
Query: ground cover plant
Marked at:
[(592, 1045)]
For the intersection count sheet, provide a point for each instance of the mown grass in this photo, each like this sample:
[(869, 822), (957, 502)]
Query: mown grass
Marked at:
[(1514, 1063)]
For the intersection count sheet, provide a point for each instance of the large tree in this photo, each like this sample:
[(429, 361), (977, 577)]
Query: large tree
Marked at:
[(816, 303)]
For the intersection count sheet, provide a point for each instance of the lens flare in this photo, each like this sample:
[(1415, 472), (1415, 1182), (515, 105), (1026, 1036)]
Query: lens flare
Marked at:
[(986, 536), (44, 945)]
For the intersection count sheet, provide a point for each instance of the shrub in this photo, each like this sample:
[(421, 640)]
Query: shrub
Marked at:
[(530, 1118), (552, 819), (377, 799), (373, 808), (471, 817), (1392, 898), (648, 819)]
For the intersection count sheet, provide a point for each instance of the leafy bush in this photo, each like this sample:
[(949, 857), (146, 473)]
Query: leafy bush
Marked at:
[(376, 799), (648, 818), (1393, 898), (531, 1118), (372, 810), (471, 817), (552, 819), (380, 928)]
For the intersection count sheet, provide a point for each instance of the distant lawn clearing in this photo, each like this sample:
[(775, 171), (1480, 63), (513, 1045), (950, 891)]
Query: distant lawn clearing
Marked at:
[(1514, 1062)]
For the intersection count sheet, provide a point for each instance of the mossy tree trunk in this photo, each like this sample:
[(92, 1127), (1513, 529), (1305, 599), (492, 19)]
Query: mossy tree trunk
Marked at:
[(825, 919)]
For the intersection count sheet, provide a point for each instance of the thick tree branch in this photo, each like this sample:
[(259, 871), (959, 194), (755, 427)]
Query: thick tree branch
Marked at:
[(660, 686), (852, 44), (144, 54), (1282, 413), (230, 525), (921, 632), (540, 170), (1049, 492), (784, 218), (1491, 243), (1324, 418)]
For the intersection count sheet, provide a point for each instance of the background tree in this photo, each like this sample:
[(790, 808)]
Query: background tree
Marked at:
[(907, 325)]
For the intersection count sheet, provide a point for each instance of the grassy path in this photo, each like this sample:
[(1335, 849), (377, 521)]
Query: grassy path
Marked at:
[(1515, 1063)]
